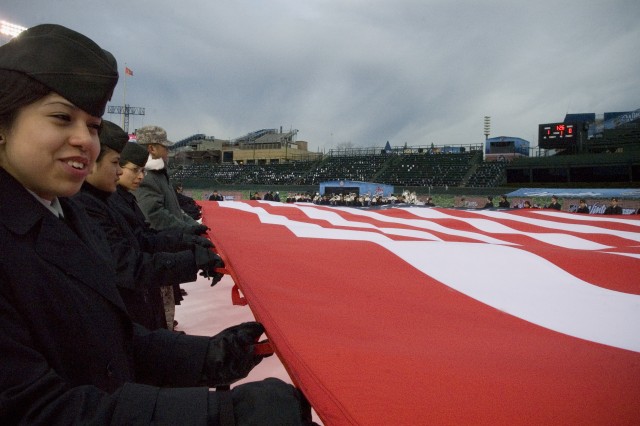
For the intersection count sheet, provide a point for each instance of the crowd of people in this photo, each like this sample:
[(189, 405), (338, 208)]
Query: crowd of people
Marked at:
[(612, 209), (93, 243), (353, 199)]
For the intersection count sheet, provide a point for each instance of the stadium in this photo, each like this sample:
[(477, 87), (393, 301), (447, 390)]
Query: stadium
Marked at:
[(400, 315), (596, 151), (330, 275)]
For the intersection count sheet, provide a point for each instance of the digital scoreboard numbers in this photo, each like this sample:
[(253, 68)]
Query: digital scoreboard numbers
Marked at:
[(557, 135)]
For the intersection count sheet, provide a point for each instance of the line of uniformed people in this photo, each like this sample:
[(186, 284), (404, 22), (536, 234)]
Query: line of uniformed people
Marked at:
[(70, 352)]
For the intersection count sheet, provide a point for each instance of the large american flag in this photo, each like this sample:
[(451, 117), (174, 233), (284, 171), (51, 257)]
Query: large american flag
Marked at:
[(444, 316)]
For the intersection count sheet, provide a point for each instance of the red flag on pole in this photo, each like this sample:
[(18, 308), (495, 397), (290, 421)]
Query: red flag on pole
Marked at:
[(128, 71)]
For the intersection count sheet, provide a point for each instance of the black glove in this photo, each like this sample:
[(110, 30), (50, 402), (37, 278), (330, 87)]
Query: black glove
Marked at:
[(208, 262), (231, 354), (196, 240), (196, 229), (268, 402)]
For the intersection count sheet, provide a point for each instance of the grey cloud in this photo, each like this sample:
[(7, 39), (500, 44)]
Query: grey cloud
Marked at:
[(365, 72)]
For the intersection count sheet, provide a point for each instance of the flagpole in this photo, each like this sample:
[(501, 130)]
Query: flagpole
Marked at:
[(124, 96)]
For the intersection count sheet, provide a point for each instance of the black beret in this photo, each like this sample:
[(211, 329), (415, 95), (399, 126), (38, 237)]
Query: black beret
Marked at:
[(65, 61), (113, 136), (134, 153)]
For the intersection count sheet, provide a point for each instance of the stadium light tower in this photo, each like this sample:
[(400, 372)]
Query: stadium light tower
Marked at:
[(125, 111), (487, 127), (10, 30)]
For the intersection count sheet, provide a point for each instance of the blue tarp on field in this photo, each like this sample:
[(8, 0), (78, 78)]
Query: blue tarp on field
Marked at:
[(623, 193), (341, 186)]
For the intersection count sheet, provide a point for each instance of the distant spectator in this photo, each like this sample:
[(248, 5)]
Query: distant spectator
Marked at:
[(268, 196), (582, 207), (256, 196), (527, 205), (276, 197), (613, 208), (555, 205), (504, 203), (215, 196), (489, 203), (429, 202)]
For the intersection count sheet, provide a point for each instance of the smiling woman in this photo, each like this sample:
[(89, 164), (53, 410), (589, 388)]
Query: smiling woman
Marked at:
[(51, 147), (50, 117)]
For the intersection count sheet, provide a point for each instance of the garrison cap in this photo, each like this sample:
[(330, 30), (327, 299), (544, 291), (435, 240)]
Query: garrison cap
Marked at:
[(65, 61), (113, 136), (134, 153), (148, 135)]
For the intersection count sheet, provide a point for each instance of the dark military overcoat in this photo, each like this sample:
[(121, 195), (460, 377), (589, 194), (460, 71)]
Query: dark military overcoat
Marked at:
[(140, 274), (68, 349)]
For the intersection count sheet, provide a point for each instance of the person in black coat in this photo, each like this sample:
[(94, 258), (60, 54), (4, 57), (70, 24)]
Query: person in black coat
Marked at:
[(215, 196), (582, 207), (70, 352), (489, 203), (139, 274), (613, 207), (122, 200), (133, 159), (554, 204)]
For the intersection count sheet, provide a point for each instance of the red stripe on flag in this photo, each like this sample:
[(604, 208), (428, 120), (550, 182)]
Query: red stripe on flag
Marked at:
[(372, 337)]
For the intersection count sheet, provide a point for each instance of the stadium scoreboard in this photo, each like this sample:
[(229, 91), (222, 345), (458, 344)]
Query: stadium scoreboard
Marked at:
[(557, 135)]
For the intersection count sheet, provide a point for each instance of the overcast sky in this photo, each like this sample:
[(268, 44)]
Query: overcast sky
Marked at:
[(360, 71)]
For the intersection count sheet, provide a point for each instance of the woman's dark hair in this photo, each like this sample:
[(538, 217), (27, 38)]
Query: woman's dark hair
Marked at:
[(103, 150), (17, 90)]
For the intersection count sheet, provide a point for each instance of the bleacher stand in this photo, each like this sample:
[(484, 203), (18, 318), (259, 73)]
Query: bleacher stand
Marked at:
[(408, 170), (487, 175)]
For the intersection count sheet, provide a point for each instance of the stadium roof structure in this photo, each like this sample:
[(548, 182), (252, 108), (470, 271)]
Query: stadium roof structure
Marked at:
[(255, 135), (613, 120), (266, 136), (589, 117), (186, 141)]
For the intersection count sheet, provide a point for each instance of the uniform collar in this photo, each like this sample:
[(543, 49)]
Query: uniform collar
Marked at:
[(53, 206)]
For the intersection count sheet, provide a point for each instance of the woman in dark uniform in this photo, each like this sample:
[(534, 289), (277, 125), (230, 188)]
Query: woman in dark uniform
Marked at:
[(70, 352)]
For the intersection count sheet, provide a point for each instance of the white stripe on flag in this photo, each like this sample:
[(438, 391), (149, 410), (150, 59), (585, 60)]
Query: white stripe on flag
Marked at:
[(543, 293), (488, 226)]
